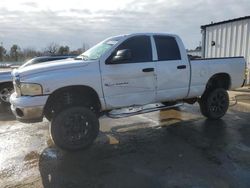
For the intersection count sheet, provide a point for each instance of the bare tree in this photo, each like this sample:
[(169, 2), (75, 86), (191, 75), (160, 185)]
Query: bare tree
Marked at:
[(63, 50), (2, 52), (29, 53), (15, 52), (84, 47), (52, 48), (77, 52)]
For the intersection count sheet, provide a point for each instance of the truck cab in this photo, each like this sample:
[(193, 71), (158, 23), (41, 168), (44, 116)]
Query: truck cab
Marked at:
[(146, 76)]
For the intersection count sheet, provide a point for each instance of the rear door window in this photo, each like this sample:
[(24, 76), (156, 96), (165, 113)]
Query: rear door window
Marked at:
[(167, 48)]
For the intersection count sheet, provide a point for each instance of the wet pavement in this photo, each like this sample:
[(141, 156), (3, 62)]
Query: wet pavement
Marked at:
[(170, 148)]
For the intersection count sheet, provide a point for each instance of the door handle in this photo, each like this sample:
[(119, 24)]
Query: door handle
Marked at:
[(148, 70), (181, 67)]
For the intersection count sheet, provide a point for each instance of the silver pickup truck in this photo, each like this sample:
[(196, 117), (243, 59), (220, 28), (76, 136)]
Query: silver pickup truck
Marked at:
[(135, 71)]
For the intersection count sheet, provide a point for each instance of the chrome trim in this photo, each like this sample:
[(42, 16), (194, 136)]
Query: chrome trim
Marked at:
[(16, 80)]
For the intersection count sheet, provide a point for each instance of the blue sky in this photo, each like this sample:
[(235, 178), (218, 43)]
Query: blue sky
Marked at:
[(35, 24)]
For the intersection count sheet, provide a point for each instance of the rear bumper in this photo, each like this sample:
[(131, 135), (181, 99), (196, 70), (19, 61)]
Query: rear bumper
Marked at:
[(28, 109)]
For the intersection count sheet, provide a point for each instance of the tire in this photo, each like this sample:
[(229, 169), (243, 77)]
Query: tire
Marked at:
[(48, 116), (74, 128), (6, 90), (214, 104)]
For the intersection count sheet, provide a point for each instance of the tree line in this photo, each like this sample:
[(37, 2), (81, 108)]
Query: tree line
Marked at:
[(17, 54)]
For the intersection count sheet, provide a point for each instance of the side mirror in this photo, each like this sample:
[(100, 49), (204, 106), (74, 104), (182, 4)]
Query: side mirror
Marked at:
[(122, 55)]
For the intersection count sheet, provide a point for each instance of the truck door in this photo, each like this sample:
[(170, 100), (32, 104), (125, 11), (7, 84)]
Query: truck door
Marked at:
[(132, 81), (172, 69)]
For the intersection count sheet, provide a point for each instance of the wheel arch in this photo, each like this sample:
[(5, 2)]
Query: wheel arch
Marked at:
[(219, 80), (79, 90), (7, 82), (4, 99)]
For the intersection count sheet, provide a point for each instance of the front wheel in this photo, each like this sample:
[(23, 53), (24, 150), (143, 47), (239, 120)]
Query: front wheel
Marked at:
[(214, 104), (74, 128)]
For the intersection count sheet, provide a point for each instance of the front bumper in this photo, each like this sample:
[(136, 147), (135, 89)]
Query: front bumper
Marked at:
[(28, 109), (28, 115)]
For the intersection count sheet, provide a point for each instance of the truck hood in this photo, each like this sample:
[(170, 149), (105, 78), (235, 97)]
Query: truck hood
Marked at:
[(46, 67), (5, 73), (5, 76)]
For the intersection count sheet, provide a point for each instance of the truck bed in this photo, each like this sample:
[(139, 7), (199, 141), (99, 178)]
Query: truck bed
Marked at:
[(203, 69)]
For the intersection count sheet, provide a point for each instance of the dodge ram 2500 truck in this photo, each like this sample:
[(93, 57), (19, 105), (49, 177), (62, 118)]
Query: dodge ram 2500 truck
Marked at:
[(133, 70)]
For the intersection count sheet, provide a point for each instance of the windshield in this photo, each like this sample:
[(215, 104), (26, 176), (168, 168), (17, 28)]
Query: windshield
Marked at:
[(26, 63), (96, 51)]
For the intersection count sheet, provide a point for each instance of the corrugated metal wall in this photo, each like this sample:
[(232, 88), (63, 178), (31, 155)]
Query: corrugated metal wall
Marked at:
[(231, 39)]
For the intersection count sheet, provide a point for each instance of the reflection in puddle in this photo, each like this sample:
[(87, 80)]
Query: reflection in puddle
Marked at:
[(31, 159), (130, 127), (50, 153), (177, 114), (31, 156)]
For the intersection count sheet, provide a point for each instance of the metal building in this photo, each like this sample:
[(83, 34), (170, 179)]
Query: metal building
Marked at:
[(227, 39)]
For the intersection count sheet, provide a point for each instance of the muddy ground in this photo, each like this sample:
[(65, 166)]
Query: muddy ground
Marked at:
[(170, 148)]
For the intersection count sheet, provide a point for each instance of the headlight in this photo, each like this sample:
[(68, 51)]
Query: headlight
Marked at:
[(30, 89), (16, 84), (17, 89)]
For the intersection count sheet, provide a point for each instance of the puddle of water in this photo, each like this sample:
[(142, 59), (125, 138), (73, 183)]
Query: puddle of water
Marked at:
[(112, 140), (33, 155), (7, 172), (131, 127), (241, 175), (243, 98), (50, 143), (31, 160), (245, 132), (180, 115)]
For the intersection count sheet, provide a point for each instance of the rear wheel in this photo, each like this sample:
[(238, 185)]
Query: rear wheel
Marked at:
[(74, 128), (214, 104), (6, 90)]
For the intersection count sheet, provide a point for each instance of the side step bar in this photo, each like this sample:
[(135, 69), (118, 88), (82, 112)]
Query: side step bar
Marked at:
[(136, 110)]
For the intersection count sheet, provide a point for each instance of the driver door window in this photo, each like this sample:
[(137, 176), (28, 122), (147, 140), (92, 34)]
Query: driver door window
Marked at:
[(140, 47)]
